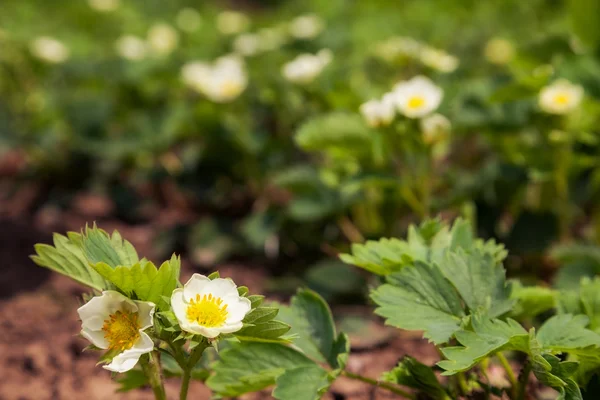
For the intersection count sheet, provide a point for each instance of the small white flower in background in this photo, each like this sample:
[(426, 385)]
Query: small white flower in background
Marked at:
[(112, 321), (209, 307), (499, 51), (247, 44), (272, 38), (131, 47), (188, 20), (379, 112), (232, 22), (306, 67), (221, 82), (48, 49), (438, 60), (561, 97), (435, 128), (162, 38), (307, 26), (104, 5), (417, 97), (397, 46)]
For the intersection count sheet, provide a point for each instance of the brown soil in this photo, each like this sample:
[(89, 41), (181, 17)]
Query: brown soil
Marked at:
[(41, 355)]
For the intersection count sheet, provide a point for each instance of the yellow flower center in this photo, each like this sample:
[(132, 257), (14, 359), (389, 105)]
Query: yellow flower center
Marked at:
[(562, 99), (230, 88), (416, 102), (121, 330), (207, 311)]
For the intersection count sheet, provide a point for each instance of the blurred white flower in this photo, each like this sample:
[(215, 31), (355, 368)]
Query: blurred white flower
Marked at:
[(499, 51), (104, 5), (162, 38), (221, 82), (379, 112), (417, 97), (131, 47), (306, 67), (561, 97), (272, 38), (307, 26), (435, 128), (48, 49), (209, 307), (247, 44), (188, 20), (115, 322), (397, 46), (438, 60), (232, 22)]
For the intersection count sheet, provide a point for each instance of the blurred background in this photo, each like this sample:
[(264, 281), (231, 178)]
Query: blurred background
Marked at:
[(235, 133)]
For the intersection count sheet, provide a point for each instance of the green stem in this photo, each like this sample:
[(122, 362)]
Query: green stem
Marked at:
[(388, 386), (523, 379), (195, 356), (151, 368), (462, 383), (509, 373)]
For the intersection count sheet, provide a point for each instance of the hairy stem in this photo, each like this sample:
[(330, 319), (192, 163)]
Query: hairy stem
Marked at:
[(152, 370), (388, 386), (509, 373), (193, 359)]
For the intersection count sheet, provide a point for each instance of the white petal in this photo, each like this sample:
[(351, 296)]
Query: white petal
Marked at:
[(221, 288), (204, 331), (96, 337), (237, 308), (99, 308), (145, 313), (229, 328), (179, 306), (128, 359), (195, 285)]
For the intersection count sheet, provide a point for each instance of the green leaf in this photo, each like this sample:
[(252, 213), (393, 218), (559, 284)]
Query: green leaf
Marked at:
[(413, 374), (312, 323), (487, 337), (586, 301), (270, 330), (113, 250), (420, 298), (550, 371), (584, 16), (479, 280), (261, 314), (340, 352), (565, 333), (380, 257), (304, 383), (531, 300), (132, 379), (67, 257), (249, 367), (144, 280)]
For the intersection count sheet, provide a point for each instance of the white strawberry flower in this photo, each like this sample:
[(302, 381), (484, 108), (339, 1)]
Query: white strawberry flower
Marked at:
[(131, 47), (561, 97), (221, 82), (439, 60), (209, 307), (114, 322), (104, 5), (417, 97), (306, 67), (435, 128), (247, 44), (306, 26), (49, 49), (162, 38), (379, 112)]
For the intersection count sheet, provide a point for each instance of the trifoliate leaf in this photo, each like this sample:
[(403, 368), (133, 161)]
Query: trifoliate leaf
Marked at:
[(113, 250), (311, 320), (249, 367), (487, 337), (531, 300), (565, 333), (68, 258), (420, 298), (304, 383), (144, 280), (411, 373), (479, 280)]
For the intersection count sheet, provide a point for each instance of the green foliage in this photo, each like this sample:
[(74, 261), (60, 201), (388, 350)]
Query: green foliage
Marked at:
[(67, 257), (413, 374), (260, 324), (303, 383), (143, 280), (113, 250), (585, 301), (531, 300)]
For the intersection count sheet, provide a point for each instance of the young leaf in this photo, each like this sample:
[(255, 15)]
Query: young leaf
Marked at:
[(67, 257), (416, 375), (488, 337), (550, 371), (270, 330), (304, 383), (420, 298), (479, 280), (113, 250), (249, 367), (565, 333)]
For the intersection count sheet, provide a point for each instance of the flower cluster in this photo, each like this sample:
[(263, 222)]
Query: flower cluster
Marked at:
[(406, 47), (221, 82)]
